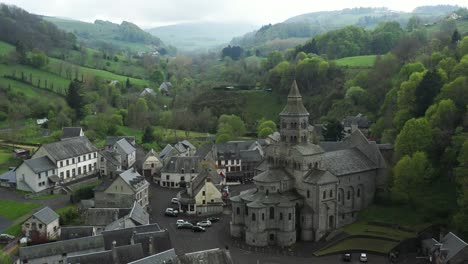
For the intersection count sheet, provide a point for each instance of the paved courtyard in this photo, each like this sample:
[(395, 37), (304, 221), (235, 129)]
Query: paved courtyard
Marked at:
[(217, 236)]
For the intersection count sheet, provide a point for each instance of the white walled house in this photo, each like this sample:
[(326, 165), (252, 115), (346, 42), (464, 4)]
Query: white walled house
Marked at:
[(179, 169), (74, 158), (37, 174), (44, 222), (151, 164)]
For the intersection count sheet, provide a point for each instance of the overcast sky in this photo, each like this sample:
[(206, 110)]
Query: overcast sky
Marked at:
[(150, 13)]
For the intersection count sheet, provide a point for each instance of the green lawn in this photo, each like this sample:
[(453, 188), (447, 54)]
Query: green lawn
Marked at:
[(12, 210), (363, 228), (357, 61), (14, 230), (359, 244), (6, 48)]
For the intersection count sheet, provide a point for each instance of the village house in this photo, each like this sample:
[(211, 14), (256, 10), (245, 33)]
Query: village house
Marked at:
[(111, 140), (202, 195), (180, 149), (303, 192), (352, 123), (72, 232), (71, 132), (122, 191), (165, 88), (179, 169), (449, 250), (239, 159), (104, 219), (127, 153), (62, 161), (8, 179), (116, 246), (109, 163), (147, 92), (207, 152), (151, 164), (42, 224)]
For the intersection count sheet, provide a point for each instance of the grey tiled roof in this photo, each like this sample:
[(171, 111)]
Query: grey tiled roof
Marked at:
[(60, 247), (71, 232), (160, 258), (250, 155), (72, 147), (360, 120), (211, 256), (204, 150), (9, 176), (294, 106), (125, 146), (347, 161), (199, 181), (176, 164), (123, 254), (104, 216), (165, 151), (69, 132), (453, 244), (110, 156), (232, 149), (41, 164), (332, 145), (272, 175), (46, 215), (316, 176), (139, 214), (110, 140), (133, 179), (123, 236)]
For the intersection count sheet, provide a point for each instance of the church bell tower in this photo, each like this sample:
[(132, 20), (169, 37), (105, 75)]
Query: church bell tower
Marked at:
[(294, 119)]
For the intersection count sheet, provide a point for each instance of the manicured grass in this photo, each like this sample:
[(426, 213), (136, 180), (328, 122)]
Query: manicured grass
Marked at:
[(6, 48), (357, 61), (14, 230), (46, 196), (363, 228), (12, 210), (359, 244)]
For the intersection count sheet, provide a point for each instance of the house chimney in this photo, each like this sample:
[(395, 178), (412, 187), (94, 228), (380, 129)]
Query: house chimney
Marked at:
[(115, 257), (151, 249)]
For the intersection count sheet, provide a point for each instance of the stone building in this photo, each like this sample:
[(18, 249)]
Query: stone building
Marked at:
[(43, 223), (303, 192)]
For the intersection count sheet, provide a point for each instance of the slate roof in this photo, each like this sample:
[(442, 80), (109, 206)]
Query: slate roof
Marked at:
[(133, 179), (453, 244), (165, 151), (165, 86), (124, 222), (124, 236), (308, 148), (60, 247), (139, 214), (250, 155), (360, 119), (199, 181), (70, 148), (272, 175), (294, 106), (70, 132), (332, 145), (111, 140), (111, 156), (149, 154), (316, 176), (46, 215), (125, 146), (71, 232), (187, 144), (9, 176), (176, 164), (347, 161), (204, 150), (123, 254), (148, 91), (232, 149), (41, 164), (211, 256), (160, 258), (104, 216)]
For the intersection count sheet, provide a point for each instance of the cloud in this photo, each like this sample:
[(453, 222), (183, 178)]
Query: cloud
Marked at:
[(148, 13)]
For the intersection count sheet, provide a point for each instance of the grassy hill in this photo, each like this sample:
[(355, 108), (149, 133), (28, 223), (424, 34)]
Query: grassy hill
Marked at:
[(357, 61), (101, 33)]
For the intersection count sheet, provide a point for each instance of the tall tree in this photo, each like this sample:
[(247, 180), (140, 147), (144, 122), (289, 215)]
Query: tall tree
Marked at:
[(427, 90), (415, 136), (333, 130), (75, 98)]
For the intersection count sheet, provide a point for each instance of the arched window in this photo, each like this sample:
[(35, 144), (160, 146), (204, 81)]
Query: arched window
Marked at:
[(308, 194), (324, 195), (263, 216), (331, 193), (339, 197), (267, 191), (281, 216), (272, 213), (238, 210), (289, 216), (349, 195), (358, 193), (254, 217)]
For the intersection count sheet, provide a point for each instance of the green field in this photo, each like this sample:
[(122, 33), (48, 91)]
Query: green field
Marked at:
[(359, 244), (13, 210), (28, 90), (6, 48), (357, 61)]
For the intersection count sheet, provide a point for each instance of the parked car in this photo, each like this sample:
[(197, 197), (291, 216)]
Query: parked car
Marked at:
[(346, 257), (363, 257), (213, 219), (174, 200), (198, 229), (205, 223), (180, 221), (6, 238), (171, 212), (185, 225)]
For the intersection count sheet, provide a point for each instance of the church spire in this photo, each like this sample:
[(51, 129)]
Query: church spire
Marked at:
[(294, 105), (294, 119)]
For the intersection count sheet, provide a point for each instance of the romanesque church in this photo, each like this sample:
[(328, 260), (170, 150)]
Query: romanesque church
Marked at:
[(303, 190)]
